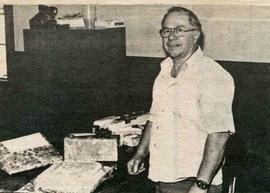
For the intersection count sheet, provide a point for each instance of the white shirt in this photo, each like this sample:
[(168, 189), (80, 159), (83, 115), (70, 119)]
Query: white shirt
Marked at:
[(184, 111)]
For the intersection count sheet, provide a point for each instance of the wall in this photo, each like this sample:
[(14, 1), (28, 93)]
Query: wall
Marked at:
[(232, 32)]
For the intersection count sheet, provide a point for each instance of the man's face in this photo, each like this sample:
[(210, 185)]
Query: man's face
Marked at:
[(179, 46)]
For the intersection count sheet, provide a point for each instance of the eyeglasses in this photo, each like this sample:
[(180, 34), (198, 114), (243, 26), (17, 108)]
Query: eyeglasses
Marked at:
[(178, 32)]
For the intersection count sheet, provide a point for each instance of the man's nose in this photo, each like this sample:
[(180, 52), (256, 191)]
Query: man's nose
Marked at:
[(172, 35)]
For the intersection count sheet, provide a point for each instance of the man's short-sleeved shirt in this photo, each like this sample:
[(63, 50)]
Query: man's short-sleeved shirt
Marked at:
[(184, 111)]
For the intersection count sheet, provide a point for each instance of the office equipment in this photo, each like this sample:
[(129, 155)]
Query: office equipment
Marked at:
[(125, 124), (128, 127)]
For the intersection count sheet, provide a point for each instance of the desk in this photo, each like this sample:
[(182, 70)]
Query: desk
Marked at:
[(121, 182)]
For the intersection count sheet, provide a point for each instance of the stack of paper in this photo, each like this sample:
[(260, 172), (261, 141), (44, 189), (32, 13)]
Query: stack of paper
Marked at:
[(109, 23), (71, 177), (104, 122), (73, 23), (74, 20)]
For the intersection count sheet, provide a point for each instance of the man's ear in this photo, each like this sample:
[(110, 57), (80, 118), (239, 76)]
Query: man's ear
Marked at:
[(196, 35)]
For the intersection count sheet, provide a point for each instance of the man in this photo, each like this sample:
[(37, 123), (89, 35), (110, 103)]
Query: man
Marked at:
[(191, 113)]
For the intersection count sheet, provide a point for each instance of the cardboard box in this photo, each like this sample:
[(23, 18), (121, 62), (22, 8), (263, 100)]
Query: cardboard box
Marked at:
[(26, 153), (89, 148)]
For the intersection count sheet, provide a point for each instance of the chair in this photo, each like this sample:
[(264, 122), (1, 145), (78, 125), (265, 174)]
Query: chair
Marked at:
[(231, 188), (231, 167)]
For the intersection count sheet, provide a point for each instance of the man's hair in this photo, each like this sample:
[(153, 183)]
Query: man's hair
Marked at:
[(193, 21)]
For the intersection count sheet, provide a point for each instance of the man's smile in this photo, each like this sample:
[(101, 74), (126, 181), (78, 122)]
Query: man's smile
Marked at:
[(173, 44)]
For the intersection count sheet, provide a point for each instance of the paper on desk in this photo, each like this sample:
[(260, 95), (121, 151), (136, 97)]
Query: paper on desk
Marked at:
[(104, 122), (125, 130), (115, 124), (24, 143), (141, 119), (73, 23)]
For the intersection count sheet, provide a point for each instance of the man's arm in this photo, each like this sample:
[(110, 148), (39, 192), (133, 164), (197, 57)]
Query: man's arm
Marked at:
[(213, 155), (135, 165), (212, 158), (143, 148), (217, 120)]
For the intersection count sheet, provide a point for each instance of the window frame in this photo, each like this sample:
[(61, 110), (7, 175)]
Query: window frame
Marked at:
[(9, 36)]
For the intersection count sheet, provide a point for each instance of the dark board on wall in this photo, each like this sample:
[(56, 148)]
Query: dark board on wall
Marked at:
[(65, 79)]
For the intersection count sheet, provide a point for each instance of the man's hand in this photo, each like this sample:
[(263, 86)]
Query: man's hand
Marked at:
[(136, 165), (195, 189)]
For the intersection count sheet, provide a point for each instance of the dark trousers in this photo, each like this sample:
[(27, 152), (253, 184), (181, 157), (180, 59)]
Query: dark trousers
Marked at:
[(183, 187)]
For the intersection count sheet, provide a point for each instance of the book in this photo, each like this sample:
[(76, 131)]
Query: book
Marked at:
[(26, 153)]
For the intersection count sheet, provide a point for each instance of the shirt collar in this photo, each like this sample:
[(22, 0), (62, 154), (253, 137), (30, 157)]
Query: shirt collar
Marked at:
[(167, 64), (195, 58)]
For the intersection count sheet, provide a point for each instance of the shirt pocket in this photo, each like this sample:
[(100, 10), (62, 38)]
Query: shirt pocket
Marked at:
[(187, 102)]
